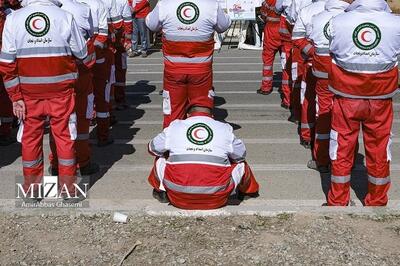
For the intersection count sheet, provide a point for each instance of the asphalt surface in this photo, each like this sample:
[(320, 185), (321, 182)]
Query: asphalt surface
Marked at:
[(274, 153)]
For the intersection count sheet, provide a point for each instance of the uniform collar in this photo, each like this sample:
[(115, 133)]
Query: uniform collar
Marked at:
[(369, 5), (196, 114)]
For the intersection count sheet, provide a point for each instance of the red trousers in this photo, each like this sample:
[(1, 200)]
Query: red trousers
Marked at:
[(120, 75), (286, 60), (242, 178), (6, 112), (323, 122), (103, 79), (307, 99), (375, 117), (298, 68), (84, 111), (271, 46), (63, 126), (184, 90)]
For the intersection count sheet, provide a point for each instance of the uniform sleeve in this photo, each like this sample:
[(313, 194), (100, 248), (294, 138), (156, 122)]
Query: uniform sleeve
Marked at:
[(76, 42), (8, 63), (158, 145), (90, 21), (223, 21), (153, 21), (101, 38), (299, 37), (114, 16), (238, 153), (127, 17)]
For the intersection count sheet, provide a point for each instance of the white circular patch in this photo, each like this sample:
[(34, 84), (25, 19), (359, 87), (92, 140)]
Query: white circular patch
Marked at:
[(188, 13), (200, 134), (37, 24), (367, 36)]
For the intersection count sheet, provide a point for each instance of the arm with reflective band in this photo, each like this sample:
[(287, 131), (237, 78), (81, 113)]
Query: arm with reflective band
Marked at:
[(305, 47), (102, 35), (153, 21), (76, 42), (127, 17), (238, 153), (90, 60), (157, 146), (223, 21), (8, 64)]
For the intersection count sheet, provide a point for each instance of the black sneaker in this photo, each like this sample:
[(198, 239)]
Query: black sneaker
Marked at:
[(260, 91), (292, 119), (89, 169), (311, 164), (305, 144), (132, 54), (243, 196), (161, 196), (7, 140), (285, 106), (160, 92), (323, 169), (52, 171), (103, 143), (144, 54)]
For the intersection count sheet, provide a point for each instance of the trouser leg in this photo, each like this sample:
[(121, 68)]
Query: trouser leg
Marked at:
[(120, 76), (343, 142), (270, 47), (200, 91), (377, 141), (175, 97), (6, 112), (286, 60), (323, 122), (307, 126)]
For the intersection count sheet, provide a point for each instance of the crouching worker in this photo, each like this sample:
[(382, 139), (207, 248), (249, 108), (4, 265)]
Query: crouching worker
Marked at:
[(199, 163)]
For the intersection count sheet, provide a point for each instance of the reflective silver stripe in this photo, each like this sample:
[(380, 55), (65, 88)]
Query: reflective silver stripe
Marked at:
[(89, 58), (273, 19), (194, 60), (6, 119), (365, 67), (320, 74), (48, 80), (38, 51), (379, 181), (99, 44), (298, 35), (127, 19), (12, 83), (386, 96), (322, 136), (31, 164), (82, 136), (199, 158), (322, 51), (196, 189), (103, 31), (284, 31), (116, 19), (267, 78), (100, 61), (66, 162), (152, 148), (195, 38), (102, 114), (307, 48), (285, 82), (7, 57), (340, 179), (267, 67), (309, 125), (81, 54)]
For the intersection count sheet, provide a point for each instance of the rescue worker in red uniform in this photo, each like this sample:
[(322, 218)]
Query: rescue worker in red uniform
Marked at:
[(45, 36), (318, 37), (200, 163), (83, 92), (364, 45), (271, 46), (123, 28), (307, 95), (6, 110), (188, 45)]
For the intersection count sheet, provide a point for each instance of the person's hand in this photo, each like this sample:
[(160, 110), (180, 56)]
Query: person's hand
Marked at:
[(127, 45), (19, 109)]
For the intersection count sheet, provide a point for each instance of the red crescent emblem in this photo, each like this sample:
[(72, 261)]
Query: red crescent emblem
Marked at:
[(34, 24), (363, 36), (196, 132), (184, 12)]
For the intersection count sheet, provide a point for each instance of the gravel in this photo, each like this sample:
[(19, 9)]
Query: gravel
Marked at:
[(300, 239)]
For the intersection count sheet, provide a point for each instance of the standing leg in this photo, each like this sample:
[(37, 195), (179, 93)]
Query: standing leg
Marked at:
[(200, 90), (377, 140), (286, 61), (307, 126), (344, 135), (175, 97), (270, 48), (144, 32), (6, 117), (135, 37), (120, 78)]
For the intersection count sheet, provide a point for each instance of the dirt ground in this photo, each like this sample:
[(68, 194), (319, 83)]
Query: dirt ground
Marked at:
[(243, 240)]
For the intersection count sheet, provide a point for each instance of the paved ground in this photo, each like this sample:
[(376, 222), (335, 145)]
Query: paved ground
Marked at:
[(272, 142)]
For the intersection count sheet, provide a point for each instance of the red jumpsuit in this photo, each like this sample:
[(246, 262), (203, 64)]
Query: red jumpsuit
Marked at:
[(188, 47), (364, 78), (272, 44), (47, 89)]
